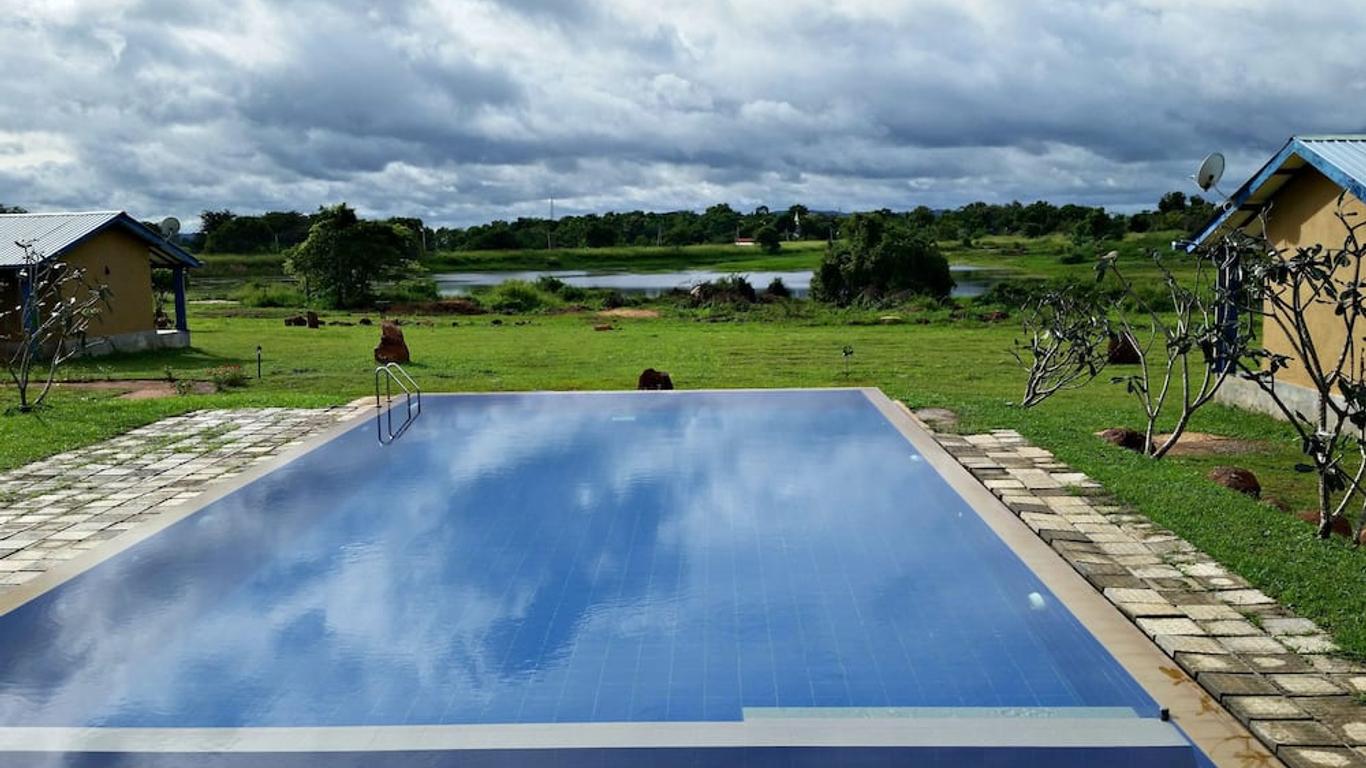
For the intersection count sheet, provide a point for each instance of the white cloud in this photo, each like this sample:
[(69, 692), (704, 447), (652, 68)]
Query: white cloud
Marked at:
[(474, 109)]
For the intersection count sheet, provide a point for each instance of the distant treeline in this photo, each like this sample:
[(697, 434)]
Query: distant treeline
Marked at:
[(722, 224), (226, 232), (277, 231)]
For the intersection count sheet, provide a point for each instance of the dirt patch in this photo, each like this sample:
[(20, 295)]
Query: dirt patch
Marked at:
[(442, 307), (138, 389), (1204, 444), (1191, 443), (629, 312), (938, 419)]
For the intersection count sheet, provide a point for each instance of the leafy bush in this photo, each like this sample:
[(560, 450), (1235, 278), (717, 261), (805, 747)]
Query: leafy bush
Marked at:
[(778, 290), (767, 238), (880, 258), (227, 377), (552, 284), (731, 290), (269, 295), (1011, 293), (519, 296), (411, 289)]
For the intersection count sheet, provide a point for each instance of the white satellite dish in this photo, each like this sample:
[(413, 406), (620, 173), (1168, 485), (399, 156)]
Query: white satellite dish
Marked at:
[(170, 227), (1211, 171)]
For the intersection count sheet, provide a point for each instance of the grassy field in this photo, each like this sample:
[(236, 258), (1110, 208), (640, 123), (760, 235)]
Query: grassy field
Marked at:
[(930, 360)]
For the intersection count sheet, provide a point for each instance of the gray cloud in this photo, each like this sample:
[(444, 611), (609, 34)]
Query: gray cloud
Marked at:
[(468, 110)]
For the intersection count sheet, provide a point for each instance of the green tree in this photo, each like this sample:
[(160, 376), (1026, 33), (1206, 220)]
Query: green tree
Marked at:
[(343, 256), (210, 221), (1172, 202), (767, 238), (878, 258)]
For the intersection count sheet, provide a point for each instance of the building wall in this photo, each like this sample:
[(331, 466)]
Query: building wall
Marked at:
[(123, 263), (1304, 213), (9, 299)]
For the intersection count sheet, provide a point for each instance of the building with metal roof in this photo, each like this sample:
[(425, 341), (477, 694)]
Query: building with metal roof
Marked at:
[(1340, 159), (115, 251), (1299, 198)]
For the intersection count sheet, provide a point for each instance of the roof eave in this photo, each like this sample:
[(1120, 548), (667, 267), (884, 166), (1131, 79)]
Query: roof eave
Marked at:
[(1295, 147)]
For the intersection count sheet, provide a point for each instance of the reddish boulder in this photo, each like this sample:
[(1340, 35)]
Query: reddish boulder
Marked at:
[(311, 318), (1124, 438), (603, 327), (1123, 350), (1237, 479), (652, 379), (1340, 525), (392, 348)]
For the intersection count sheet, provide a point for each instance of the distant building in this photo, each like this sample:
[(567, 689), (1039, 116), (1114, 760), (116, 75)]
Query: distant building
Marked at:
[(117, 251), (1297, 194), (744, 241)]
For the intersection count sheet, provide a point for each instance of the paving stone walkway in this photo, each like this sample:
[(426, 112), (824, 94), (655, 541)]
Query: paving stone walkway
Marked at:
[(1274, 671), (55, 509)]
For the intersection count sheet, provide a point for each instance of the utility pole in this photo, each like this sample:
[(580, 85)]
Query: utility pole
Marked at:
[(549, 231)]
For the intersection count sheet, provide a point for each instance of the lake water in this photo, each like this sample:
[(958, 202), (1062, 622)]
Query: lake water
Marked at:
[(971, 281)]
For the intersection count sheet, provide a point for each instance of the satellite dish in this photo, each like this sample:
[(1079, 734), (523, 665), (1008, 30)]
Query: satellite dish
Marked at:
[(170, 227), (1211, 171)]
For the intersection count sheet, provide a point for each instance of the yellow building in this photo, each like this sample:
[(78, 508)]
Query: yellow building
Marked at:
[(116, 251), (1295, 201)]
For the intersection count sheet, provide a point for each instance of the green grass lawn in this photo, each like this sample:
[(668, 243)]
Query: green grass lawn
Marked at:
[(961, 365), (929, 360)]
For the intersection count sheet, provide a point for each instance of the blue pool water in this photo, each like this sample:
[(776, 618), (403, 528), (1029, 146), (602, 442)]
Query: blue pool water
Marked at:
[(564, 558)]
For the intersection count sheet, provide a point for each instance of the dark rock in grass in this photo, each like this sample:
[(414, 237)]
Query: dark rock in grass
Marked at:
[(296, 321), (1123, 350), (311, 318), (392, 348), (1237, 479), (652, 379), (495, 321), (455, 323), (365, 321), (1341, 527), (1124, 437)]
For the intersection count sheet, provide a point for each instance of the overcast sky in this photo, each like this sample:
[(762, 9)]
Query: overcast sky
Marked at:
[(461, 111)]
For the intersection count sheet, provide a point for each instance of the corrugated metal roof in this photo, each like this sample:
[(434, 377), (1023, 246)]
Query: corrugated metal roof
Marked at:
[(1346, 153), (1342, 158), (48, 233), (51, 233)]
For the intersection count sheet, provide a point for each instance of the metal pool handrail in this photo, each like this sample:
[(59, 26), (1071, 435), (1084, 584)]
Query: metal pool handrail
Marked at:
[(391, 374)]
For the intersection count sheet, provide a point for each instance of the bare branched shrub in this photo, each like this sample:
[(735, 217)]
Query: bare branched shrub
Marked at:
[(1065, 346), (1181, 335), (1179, 331), (1314, 296), (48, 323)]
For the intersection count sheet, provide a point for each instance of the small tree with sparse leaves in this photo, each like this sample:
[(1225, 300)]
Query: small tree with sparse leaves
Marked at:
[(48, 323), (1180, 336), (1311, 295)]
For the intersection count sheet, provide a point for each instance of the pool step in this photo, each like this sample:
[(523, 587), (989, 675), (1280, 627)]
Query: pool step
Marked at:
[(1074, 737)]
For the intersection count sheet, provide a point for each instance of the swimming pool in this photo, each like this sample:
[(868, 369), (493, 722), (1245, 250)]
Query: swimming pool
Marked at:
[(756, 576)]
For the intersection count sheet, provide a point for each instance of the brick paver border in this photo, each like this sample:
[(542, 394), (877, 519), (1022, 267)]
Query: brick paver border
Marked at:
[(56, 509), (1274, 671)]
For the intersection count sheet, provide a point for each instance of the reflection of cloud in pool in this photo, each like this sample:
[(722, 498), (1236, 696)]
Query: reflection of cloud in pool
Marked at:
[(503, 541)]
